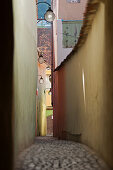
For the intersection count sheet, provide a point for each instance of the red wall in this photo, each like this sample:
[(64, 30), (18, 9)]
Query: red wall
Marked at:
[(59, 103), (49, 125)]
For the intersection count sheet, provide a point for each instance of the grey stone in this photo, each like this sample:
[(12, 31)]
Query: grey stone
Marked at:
[(31, 165), (37, 168), (51, 154)]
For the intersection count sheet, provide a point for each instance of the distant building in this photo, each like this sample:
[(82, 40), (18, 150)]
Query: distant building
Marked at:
[(66, 30), (44, 46), (66, 26)]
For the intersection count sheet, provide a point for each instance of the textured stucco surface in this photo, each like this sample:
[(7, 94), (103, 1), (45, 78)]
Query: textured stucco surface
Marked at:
[(89, 86), (25, 72)]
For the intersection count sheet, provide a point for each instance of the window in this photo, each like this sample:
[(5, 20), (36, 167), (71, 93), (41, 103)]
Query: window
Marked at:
[(71, 31)]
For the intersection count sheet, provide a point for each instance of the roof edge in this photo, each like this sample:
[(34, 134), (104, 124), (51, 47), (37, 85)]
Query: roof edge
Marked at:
[(91, 9)]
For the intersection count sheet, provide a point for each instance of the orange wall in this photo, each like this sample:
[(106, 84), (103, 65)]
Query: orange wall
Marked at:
[(59, 109), (55, 103)]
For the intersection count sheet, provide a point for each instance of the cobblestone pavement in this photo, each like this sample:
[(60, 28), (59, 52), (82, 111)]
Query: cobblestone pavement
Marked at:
[(51, 154)]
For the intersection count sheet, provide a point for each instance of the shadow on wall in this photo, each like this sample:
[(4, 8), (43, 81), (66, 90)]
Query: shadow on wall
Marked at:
[(88, 84), (108, 82), (6, 79), (23, 63)]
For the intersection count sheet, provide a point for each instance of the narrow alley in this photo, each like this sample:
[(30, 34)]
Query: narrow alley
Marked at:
[(48, 153), (56, 100)]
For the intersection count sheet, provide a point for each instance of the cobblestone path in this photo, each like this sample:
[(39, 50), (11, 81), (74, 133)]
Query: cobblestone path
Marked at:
[(51, 154)]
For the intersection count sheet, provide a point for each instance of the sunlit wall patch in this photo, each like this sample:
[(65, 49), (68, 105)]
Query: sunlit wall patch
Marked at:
[(83, 83)]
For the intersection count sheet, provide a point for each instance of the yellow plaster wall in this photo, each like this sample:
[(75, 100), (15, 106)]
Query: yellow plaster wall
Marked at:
[(41, 102), (48, 72), (89, 86), (25, 72)]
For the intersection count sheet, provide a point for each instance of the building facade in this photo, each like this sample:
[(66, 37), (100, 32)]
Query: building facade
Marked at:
[(66, 30), (84, 85), (44, 47)]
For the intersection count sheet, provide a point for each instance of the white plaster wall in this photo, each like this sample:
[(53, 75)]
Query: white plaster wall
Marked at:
[(48, 83), (62, 52), (55, 10)]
